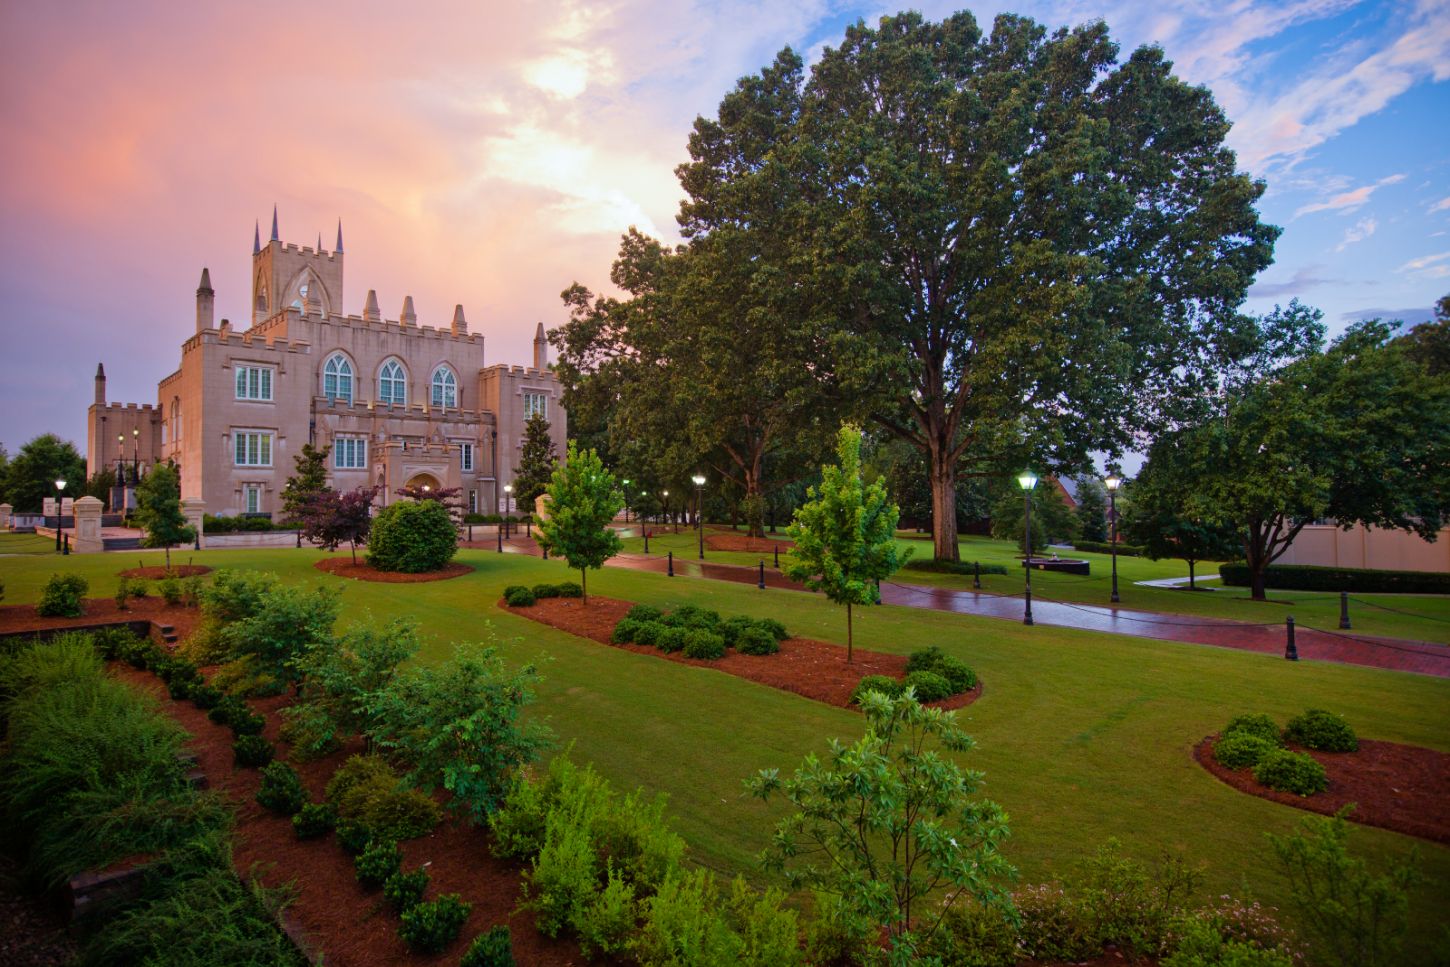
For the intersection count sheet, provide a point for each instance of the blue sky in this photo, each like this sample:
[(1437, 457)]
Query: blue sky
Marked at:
[(490, 155)]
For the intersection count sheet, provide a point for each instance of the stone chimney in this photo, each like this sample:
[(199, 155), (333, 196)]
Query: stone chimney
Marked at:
[(460, 324), (205, 302), (100, 385), (541, 349)]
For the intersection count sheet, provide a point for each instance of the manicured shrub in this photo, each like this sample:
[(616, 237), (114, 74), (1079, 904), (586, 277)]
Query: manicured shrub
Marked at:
[(1305, 577), (357, 770), (180, 689), (252, 751), (732, 626), (756, 640), (930, 687), (492, 949), (519, 597), (205, 697), (670, 639), (405, 890), (141, 653), (170, 590), (624, 632), (366, 790), (1236, 750), (248, 677), (221, 713), (569, 589), (967, 568), (140, 588), (1325, 731), (648, 632), (774, 627), (542, 591), (247, 722), (1098, 547), (61, 596), (123, 594), (429, 927), (644, 612), (1257, 724), (412, 537), (402, 813), (353, 836), (693, 616), (704, 645), (959, 677), (314, 820), (884, 684), (281, 789), (1293, 772), (110, 641), (380, 860)]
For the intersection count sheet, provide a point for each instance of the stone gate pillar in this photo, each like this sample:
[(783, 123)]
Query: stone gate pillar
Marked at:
[(192, 511), (5, 514), (87, 537)]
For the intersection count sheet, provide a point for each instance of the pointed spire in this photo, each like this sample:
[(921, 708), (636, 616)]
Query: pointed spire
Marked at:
[(274, 222), (205, 280), (257, 239), (460, 324), (100, 371), (541, 349), (408, 317), (319, 241), (339, 237), (371, 313)]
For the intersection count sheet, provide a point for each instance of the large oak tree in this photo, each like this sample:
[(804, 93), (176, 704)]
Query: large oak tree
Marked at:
[(1054, 241)]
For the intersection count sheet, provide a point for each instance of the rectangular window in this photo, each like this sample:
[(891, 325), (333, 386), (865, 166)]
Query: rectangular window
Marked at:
[(254, 383), (350, 453), (465, 458), (253, 448), (536, 403), (252, 498)]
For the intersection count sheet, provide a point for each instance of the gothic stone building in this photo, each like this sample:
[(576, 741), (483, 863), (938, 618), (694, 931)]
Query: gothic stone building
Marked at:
[(399, 404)]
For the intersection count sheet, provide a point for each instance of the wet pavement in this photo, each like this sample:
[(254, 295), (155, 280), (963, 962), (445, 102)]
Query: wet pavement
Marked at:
[(1424, 658)]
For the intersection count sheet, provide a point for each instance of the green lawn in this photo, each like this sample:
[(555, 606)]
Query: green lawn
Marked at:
[(1420, 617), (26, 544), (1082, 736)]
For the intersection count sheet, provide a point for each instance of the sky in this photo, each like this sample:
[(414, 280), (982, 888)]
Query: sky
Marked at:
[(491, 154)]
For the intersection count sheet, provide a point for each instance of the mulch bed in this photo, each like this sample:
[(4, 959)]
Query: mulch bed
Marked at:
[(740, 542), (813, 669), (343, 567), (157, 573), (1400, 787), (22, 617), (352, 926)]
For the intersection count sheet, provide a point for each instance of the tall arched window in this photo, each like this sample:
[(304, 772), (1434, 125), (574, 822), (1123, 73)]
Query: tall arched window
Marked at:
[(337, 378), (445, 387), (392, 384)]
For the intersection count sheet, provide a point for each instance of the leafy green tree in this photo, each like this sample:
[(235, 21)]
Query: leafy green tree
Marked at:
[(887, 822), (308, 479), (1052, 519), (31, 474), (1431, 340), (536, 463), (845, 534), (158, 510), (459, 725), (583, 499), (1159, 517), (99, 484), (4, 471), (995, 204), (1092, 510)]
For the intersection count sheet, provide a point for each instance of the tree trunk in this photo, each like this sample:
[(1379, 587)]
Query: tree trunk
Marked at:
[(848, 633), (584, 584), (354, 551), (943, 503)]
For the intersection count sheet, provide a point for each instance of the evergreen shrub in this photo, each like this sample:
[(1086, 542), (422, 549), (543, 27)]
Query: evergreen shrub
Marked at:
[(281, 789), (252, 751), (1293, 772), (1322, 730), (519, 597), (930, 687), (757, 640), (648, 632), (429, 927), (644, 612), (406, 890), (1305, 577), (704, 645), (412, 537), (624, 632), (670, 639), (1257, 724), (542, 591), (380, 860), (884, 684), (314, 819), (61, 596), (492, 949), (1235, 750)]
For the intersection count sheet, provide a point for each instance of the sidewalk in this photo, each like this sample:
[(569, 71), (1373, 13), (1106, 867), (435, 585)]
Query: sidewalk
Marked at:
[(1422, 658)]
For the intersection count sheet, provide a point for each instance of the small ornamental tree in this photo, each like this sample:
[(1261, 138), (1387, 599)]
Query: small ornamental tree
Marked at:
[(583, 499), (330, 518), (1092, 511), (158, 510), (536, 463), (1159, 518), (309, 480), (882, 825), (412, 537), (845, 534)]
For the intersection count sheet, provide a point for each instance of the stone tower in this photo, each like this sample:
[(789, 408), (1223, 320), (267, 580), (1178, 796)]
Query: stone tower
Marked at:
[(285, 275), (541, 349), (100, 384), (205, 302)]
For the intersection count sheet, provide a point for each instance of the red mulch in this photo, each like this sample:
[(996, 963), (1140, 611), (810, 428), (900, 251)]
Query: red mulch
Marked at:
[(347, 923), (343, 567), (740, 542), (157, 573), (1400, 787), (814, 669), (22, 617)]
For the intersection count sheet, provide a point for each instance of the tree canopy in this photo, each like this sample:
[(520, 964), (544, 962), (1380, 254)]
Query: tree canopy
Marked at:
[(329, 518), (1056, 239), (158, 510), (583, 499), (308, 480), (31, 474), (536, 463)]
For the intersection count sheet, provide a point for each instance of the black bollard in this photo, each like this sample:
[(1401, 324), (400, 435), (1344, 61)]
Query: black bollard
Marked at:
[(977, 575), (671, 571), (1027, 612), (777, 557), (1291, 652), (1344, 610), (499, 532), (299, 539), (196, 539), (66, 549), (761, 583)]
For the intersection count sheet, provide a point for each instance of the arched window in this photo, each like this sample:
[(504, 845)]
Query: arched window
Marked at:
[(337, 378), (445, 387), (392, 384)]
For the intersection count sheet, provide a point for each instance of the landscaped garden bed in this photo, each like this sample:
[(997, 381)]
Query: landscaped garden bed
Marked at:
[(160, 572), (726, 541), (343, 567), (813, 669), (101, 611)]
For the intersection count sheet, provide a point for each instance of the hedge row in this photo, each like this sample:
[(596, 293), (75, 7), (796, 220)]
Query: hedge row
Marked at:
[(1098, 547), (1304, 577), (954, 567), (236, 525)]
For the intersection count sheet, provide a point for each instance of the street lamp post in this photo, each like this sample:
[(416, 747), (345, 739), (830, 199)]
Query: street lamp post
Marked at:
[(59, 507), (1113, 482), (136, 454), (626, 500), (699, 480), (508, 496), (1027, 480), (665, 503)]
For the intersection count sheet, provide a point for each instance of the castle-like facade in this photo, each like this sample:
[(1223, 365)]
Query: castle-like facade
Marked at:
[(400, 405)]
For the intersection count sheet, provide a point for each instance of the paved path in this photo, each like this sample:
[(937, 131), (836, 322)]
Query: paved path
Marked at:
[(1424, 658)]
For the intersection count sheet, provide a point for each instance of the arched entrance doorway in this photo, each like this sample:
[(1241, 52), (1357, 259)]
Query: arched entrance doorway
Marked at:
[(424, 482)]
